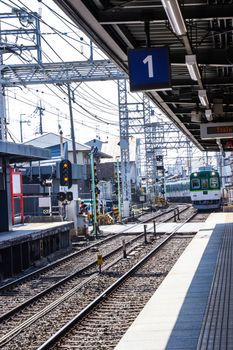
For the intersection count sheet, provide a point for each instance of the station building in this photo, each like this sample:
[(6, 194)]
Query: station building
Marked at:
[(23, 244)]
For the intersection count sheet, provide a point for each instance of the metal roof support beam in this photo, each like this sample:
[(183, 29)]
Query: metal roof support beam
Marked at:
[(132, 15)]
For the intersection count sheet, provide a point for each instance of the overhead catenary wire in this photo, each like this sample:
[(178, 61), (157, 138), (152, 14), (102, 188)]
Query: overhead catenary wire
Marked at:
[(92, 115), (65, 21), (45, 23), (81, 106), (62, 116), (133, 96), (102, 120), (29, 103), (111, 106)]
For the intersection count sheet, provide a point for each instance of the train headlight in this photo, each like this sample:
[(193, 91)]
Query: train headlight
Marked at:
[(213, 173), (195, 174)]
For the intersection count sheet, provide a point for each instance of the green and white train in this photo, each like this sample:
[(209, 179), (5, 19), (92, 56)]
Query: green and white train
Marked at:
[(202, 189), (178, 191), (205, 188)]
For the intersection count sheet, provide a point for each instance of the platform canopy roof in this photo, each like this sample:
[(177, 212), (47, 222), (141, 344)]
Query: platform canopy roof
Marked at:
[(201, 29), (15, 152)]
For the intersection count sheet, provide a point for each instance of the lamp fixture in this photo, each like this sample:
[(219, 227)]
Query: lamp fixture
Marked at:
[(175, 17), (208, 114), (191, 63), (203, 98), (195, 116)]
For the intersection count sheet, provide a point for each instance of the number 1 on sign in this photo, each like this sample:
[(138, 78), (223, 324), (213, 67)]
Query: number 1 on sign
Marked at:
[(149, 60)]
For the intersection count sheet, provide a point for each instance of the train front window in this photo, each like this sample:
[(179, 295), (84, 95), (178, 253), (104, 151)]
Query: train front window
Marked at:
[(195, 184), (204, 184), (214, 182)]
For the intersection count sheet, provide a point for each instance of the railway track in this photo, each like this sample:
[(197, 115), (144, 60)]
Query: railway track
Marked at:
[(19, 294), (59, 280), (66, 303), (42, 278), (102, 326)]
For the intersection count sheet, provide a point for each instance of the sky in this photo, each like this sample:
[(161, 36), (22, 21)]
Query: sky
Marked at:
[(61, 41), (95, 109)]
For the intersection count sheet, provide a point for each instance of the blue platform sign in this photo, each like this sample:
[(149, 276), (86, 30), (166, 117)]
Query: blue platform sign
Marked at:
[(149, 69)]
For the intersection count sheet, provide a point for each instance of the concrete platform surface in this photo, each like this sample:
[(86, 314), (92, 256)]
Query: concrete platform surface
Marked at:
[(32, 230), (172, 318)]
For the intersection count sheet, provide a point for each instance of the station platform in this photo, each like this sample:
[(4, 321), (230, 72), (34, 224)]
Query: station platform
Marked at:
[(192, 308), (30, 242)]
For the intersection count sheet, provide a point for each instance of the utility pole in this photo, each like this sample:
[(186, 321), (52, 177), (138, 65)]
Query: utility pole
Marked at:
[(119, 190), (72, 125), (21, 126), (41, 113)]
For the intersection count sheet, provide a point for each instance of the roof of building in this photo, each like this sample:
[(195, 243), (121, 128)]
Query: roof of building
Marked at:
[(112, 147), (51, 139)]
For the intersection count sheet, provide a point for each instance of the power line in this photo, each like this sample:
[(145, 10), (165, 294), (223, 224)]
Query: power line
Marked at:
[(90, 114), (62, 116), (65, 21)]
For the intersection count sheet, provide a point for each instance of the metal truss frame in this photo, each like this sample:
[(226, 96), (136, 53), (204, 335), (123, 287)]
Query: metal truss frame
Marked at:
[(59, 73), (134, 118), (124, 141)]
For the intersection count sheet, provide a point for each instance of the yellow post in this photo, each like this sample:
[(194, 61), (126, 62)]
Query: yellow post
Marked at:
[(99, 262)]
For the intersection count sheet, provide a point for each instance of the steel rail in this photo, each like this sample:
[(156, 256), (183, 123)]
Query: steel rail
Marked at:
[(56, 263), (63, 281), (14, 332), (68, 326), (7, 337)]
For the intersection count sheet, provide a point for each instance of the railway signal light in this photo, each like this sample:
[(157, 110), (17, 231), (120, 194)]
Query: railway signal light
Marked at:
[(66, 173), (61, 196), (69, 196)]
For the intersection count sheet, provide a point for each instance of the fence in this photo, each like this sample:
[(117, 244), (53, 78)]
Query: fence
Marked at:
[(32, 206)]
